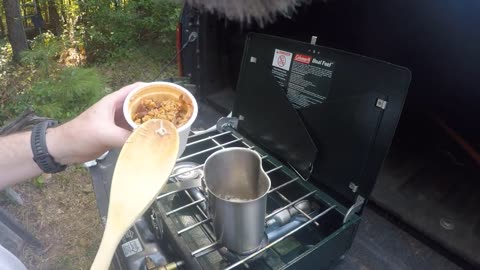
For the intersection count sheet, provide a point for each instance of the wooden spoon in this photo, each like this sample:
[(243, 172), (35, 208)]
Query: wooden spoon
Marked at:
[(142, 169)]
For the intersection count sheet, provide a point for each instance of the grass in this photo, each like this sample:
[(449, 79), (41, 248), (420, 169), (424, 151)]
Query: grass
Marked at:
[(62, 263), (140, 64)]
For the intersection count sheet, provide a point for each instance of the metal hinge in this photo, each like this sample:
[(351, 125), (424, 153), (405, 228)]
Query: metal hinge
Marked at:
[(354, 208), (225, 122), (382, 104), (353, 187)]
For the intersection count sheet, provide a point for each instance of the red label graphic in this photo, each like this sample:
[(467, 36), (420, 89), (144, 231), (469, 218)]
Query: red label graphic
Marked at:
[(303, 58), (283, 52), (282, 60)]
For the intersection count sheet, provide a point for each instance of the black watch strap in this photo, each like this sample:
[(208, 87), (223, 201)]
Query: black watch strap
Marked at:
[(39, 148)]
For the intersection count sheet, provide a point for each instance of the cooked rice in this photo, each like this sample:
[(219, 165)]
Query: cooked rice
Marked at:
[(178, 111)]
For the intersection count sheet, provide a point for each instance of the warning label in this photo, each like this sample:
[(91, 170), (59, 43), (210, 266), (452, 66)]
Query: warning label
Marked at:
[(309, 80), (282, 59), (281, 65), (305, 78)]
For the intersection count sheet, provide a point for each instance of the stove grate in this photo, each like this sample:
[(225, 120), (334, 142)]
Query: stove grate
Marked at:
[(287, 190)]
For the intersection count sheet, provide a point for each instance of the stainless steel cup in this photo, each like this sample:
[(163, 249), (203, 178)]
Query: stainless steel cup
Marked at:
[(237, 198)]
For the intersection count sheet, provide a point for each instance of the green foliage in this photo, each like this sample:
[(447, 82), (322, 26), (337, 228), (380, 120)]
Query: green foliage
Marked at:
[(39, 182), (62, 96), (14, 79), (68, 94), (45, 50), (55, 91), (115, 31), (127, 40), (141, 64), (6, 52)]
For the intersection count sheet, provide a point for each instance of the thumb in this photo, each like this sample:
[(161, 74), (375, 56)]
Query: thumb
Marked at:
[(117, 136)]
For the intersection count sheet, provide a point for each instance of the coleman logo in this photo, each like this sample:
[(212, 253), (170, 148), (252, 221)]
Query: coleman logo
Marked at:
[(302, 58), (322, 62)]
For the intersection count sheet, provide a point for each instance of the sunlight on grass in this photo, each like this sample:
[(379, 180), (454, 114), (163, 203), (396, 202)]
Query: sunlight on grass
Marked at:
[(5, 57)]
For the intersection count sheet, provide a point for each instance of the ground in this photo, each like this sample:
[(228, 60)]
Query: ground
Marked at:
[(61, 212)]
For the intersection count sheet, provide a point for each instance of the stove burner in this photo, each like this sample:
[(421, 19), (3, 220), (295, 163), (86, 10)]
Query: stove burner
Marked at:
[(233, 257), (186, 171), (188, 174)]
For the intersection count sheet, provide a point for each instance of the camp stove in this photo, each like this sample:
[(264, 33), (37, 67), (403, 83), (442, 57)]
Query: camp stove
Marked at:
[(301, 219), (322, 121)]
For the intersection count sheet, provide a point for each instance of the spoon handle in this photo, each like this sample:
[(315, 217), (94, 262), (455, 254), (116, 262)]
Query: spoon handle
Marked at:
[(107, 248)]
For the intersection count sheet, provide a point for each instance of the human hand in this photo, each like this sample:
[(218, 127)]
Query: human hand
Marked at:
[(92, 133)]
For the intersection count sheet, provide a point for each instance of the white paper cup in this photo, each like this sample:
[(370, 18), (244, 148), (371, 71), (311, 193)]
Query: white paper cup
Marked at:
[(155, 90)]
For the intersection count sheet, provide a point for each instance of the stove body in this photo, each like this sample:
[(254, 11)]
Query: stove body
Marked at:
[(314, 234), (322, 121)]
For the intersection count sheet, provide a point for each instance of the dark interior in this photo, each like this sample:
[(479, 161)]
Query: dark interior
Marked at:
[(431, 177)]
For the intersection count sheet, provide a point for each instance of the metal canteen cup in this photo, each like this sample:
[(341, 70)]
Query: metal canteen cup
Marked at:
[(237, 188)]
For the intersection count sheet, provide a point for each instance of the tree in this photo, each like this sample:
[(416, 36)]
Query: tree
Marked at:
[(2, 27), (40, 10), (16, 32), (54, 17), (42, 7)]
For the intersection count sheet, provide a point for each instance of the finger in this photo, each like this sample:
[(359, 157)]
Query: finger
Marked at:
[(120, 120), (119, 96)]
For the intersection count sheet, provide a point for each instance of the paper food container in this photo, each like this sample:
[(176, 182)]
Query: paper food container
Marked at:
[(158, 91)]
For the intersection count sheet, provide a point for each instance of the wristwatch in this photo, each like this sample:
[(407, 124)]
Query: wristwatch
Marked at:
[(41, 156)]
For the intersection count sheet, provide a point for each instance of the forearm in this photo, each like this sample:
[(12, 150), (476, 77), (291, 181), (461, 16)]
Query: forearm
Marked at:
[(84, 138), (16, 163), (16, 157)]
